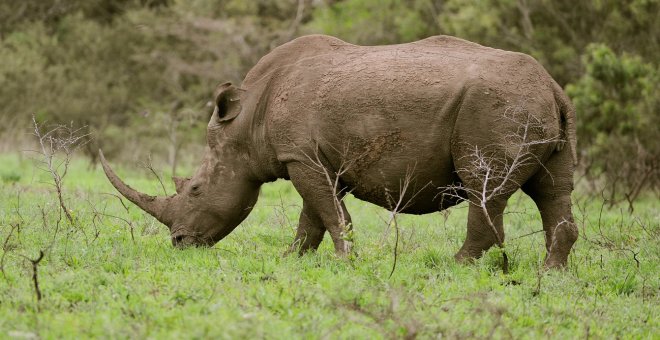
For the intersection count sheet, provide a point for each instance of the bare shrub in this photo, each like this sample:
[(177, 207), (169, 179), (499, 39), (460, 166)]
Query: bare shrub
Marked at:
[(60, 139), (397, 205), (56, 147), (398, 199)]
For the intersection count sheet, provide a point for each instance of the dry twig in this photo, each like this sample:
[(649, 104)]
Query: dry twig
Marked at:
[(64, 139)]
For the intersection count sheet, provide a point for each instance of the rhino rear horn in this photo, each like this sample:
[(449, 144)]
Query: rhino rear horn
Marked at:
[(180, 183)]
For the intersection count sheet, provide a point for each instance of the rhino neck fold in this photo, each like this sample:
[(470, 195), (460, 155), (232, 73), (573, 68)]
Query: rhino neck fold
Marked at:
[(254, 150)]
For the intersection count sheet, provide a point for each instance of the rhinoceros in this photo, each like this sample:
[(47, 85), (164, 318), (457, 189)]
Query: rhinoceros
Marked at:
[(415, 127)]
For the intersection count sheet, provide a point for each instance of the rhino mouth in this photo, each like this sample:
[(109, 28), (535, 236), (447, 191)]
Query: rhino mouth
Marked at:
[(183, 240), (184, 237), (187, 241)]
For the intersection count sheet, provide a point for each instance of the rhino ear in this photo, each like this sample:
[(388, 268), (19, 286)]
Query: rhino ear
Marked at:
[(180, 183), (227, 102)]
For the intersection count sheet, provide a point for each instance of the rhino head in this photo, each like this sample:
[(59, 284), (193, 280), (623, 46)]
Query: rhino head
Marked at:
[(209, 205)]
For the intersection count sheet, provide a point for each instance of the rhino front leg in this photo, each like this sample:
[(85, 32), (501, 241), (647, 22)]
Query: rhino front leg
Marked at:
[(322, 199), (310, 232)]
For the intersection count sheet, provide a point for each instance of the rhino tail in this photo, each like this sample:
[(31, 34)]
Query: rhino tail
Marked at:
[(567, 121)]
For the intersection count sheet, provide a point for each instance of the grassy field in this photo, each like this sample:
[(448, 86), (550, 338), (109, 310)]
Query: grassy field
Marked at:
[(99, 279)]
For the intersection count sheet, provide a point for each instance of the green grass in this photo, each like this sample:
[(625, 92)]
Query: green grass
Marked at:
[(97, 281)]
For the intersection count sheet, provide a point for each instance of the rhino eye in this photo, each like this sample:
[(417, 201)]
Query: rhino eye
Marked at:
[(194, 190)]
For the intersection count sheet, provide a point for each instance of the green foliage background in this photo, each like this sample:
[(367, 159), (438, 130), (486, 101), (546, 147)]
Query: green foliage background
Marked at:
[(135, 70)]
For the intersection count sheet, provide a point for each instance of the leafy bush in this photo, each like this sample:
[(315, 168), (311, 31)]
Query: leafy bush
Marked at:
[(375, 22), (617, 104)]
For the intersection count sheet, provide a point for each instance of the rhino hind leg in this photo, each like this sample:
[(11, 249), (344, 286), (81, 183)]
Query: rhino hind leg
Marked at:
[(550, 188), (325, 202), (488, 196), (480, 235), (310, 232), (560, 229), (490, 169)]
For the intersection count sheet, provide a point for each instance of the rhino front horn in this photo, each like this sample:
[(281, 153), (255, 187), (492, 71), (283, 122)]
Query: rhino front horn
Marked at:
[(153, 205)]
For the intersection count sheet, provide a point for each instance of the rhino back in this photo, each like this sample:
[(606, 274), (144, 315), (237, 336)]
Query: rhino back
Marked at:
[(367, 89)]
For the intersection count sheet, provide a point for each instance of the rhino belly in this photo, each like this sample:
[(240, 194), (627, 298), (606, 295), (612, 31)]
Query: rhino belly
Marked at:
[(384, 183)]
